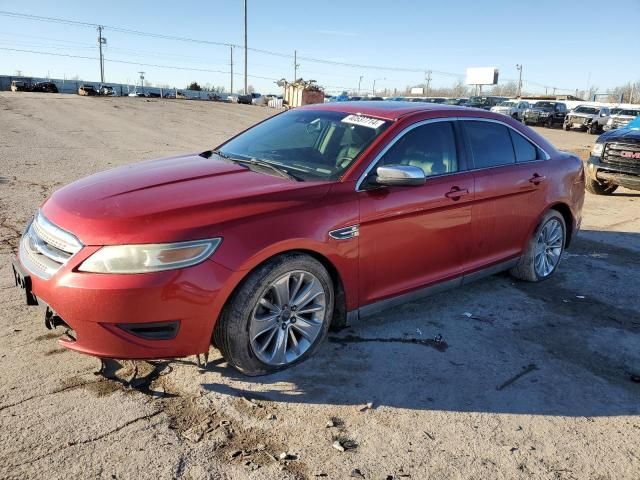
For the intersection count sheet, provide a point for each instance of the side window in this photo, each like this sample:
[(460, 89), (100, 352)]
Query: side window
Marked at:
[(432, 147), (525, 150), (490, 144)]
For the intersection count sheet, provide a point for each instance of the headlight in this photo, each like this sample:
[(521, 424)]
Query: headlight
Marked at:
[(596, 151), (153, 257)]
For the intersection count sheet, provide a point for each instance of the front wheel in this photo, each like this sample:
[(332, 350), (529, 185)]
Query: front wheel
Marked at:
[(549, 123), (567, 127), (278, 316), (593, 128), (544, 250)]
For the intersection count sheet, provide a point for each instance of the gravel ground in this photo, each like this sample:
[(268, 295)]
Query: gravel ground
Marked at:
[(537, 383)]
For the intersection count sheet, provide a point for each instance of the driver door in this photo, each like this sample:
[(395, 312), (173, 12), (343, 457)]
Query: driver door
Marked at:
[(416, 236)]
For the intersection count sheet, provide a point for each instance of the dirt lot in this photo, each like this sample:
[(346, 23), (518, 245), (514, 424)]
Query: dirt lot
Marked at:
[(537, 383)]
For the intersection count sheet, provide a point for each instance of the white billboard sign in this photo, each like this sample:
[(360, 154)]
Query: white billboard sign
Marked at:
[(482, 76), (417, 91)]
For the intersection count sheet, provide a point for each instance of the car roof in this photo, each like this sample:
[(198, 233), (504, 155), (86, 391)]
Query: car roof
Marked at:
[(384, 110)]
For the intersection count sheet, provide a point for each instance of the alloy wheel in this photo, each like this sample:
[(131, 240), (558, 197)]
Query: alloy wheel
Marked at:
[(288, 318), (549, 246)]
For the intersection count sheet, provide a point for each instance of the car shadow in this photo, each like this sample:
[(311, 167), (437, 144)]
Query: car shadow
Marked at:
[(569, 346)]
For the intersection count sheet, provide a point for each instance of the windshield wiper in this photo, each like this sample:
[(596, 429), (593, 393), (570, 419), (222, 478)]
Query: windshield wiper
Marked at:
[(261, 163)]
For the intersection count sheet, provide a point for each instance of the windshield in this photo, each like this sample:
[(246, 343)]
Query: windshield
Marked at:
[(508, 104), (479, 100), (588, 110), (312, 145), (545, 105), (632, 113)]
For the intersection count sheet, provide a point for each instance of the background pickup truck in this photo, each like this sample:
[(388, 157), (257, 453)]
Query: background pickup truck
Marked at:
[(589, 118)]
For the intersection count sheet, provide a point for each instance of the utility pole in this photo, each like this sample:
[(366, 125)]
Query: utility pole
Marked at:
[(245, 47), (374, 84), (519, 67), (231, 49), (295, 65), (359, 82), (142, 80), (101, 41), (427, 77)]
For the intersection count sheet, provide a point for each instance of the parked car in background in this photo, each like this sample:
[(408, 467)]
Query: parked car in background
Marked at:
[(107, 90), (136, 93), (615, 160), (485, 103), (587, 117), (249, 98), (355, 98), (46, 87), (545, 113), (373, 99), (20, 86), (457, 101), (395, 99), (324, 213), (87, 90), (512, 108), (435, 100), (620, 118)]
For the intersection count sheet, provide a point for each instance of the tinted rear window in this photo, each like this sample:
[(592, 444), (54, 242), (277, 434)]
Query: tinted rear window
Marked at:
[(525, 150), (490, 144)]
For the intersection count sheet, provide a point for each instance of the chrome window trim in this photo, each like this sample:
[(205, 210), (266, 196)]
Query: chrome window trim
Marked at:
[(402, 133), (449, 119)]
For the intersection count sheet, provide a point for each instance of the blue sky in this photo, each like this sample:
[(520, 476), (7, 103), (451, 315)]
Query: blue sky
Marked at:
[(564, 44)]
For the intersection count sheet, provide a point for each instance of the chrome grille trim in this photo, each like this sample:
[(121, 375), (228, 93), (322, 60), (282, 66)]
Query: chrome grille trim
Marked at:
[(45, 248)]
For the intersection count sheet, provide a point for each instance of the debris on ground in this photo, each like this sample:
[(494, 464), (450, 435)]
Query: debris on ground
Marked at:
[(330, 424), (368, 406), (287, 456), (356, 473), (528, 369), (338, 446)]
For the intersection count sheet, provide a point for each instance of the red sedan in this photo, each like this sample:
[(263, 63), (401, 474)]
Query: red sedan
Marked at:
[(308, 220)]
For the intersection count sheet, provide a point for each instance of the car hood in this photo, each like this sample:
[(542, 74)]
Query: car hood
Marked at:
[(584, 115), (540, 110), (173, 199), (623, 135)]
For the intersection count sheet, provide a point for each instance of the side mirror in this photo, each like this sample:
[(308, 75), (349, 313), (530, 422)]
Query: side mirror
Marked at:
[(400, 175)]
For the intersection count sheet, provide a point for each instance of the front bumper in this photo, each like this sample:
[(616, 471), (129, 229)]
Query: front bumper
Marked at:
[(623, 176), (100, 308)]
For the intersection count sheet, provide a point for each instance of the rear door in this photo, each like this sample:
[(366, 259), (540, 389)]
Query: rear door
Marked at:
[(414, 236), (510, 187)]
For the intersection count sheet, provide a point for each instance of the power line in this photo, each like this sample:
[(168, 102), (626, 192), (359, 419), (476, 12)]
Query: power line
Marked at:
[(224, 44), (114, 60)]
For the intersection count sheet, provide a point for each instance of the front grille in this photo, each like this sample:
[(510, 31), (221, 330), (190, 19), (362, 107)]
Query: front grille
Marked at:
[(621, 155), (580, 120), (44, 247)]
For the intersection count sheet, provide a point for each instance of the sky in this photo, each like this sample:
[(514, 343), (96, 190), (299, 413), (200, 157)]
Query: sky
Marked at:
[(564, 44)]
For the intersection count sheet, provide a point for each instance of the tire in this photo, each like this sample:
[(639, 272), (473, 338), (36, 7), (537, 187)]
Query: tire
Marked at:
[(567, 127), (532, 266), (238, 323), (597, 188), (593, 128), (549, 123)]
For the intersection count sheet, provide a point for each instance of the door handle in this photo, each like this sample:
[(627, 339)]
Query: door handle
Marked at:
[(537, 179), (455, 193)]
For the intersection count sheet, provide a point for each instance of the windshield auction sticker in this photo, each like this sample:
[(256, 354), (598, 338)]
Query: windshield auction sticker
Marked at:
[(363, 121)]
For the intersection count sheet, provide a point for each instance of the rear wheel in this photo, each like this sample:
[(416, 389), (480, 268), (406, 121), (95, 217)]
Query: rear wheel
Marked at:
[(544, 250), (278, 316), (597, 188)]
